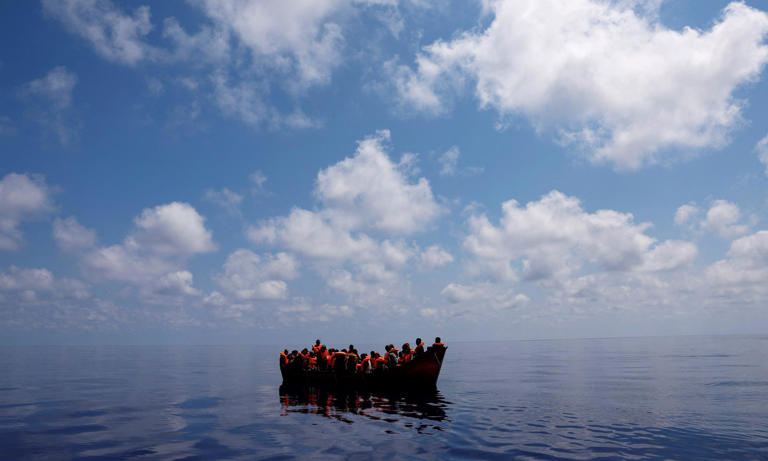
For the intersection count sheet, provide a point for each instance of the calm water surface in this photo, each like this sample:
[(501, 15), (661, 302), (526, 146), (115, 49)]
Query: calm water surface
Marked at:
[(678, 398)]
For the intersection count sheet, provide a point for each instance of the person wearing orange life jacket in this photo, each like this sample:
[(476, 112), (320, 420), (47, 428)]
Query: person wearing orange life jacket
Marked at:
[(381, 363), (305, 357), (352, 359), (284, 358), (322, 358), (438, 343), (339, 361), (406, 354), (312, 361), (317, 346), (419, 349)]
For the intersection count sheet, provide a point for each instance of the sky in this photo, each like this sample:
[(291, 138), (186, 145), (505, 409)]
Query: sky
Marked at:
[(271, 171)]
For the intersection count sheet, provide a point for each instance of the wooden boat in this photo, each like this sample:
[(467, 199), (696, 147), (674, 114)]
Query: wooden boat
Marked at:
[(420, 374)]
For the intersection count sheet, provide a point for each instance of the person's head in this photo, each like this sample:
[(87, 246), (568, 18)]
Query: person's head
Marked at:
[(437, 340), (294, 352), (351, 347), (418, 341), (387, 347), (304, 351), (344, 351), (312, 354), (285, 351), (317, 342), (364, 356)]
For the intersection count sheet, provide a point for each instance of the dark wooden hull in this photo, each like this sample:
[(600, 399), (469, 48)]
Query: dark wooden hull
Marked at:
[(419, 374)]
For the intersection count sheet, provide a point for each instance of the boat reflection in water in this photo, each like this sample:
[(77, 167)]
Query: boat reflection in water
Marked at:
[(427, 409)]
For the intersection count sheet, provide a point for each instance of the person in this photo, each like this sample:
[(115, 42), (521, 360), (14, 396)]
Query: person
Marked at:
[(351, 359), (312, 361), (381, 363), (339, 361), (438, 343), (284, 358), (419, 349), (317, 346), (322, 361), (405, 356)]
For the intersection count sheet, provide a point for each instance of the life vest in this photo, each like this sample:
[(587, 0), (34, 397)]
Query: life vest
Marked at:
[(380, 361), (317, 348), (438, 344), (283, 358), (406, 357), (337, 355), (313, 362)]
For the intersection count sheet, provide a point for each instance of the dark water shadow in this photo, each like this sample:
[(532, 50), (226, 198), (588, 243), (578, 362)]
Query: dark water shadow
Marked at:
[(420, 411)]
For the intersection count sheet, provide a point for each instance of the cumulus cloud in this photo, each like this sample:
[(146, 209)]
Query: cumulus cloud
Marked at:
[(484, 295), (301, 40), (22, 198), (723, 219), (152, 258), (762, 152), (363, 194), (51, 98), (620, 85), (434, 257), (685, 213), (248, 276), (745, 267), (34, 285), (115, 35), (172, 229), (554, 238), (369, 192), (70, 235)]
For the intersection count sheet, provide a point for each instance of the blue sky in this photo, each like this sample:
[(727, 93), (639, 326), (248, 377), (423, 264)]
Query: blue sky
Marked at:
[(271, 172)]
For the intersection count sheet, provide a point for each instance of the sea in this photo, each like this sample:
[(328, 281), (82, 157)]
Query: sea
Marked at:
[(690, 397)]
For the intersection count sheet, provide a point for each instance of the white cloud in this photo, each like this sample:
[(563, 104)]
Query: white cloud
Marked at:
[(22, 198), (152, 258), (33, 286), (225, 198), (52, 97), (364, 193), (172, 229), (301, 41), (114, 35), (624, 87), (248, 276), (554, 238), (668, 255), (434, 257), (449, 162), (70, 235), (762, 152), (258, 179), (746, 265), (369, 192), (484, 295), (723, 219), (684, 214), (56, 87)]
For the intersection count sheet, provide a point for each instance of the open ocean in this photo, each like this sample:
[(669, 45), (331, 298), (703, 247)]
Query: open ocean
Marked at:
[(696, 397)]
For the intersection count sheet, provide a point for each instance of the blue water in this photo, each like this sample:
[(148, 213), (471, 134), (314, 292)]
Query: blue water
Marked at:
[(640, 398)]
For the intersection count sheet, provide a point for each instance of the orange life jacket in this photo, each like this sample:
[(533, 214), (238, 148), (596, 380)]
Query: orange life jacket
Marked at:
[(284, 358), (438, 344), (317, 348), (313, 362), (380, 361)]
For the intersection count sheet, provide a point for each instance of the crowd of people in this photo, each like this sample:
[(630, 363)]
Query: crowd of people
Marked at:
[(350, 361)]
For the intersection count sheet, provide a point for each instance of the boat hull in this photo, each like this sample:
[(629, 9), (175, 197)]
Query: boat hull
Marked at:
[(421, 373)]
